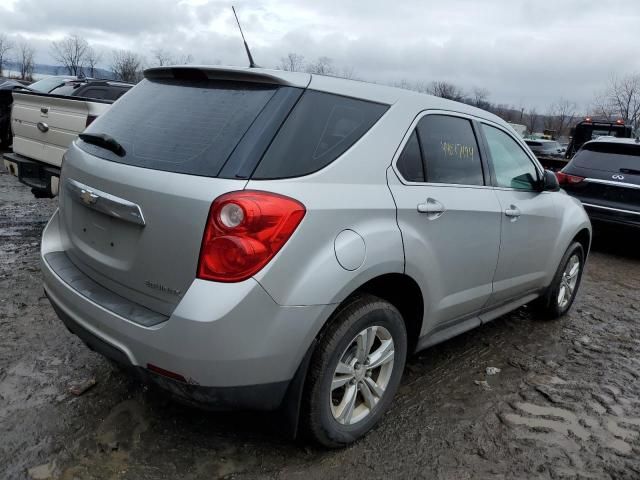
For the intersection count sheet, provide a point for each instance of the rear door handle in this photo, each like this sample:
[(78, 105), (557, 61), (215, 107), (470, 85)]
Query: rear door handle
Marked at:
[(432, 207), (513, 212)]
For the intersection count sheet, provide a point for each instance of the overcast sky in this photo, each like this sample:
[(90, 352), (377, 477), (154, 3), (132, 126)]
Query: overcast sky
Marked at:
[(526, 53)]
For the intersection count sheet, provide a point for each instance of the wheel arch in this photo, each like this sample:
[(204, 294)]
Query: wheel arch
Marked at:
[(399, 289), (583, 237)]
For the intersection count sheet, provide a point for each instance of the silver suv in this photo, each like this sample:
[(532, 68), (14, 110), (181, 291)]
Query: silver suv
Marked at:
[(254, 239)]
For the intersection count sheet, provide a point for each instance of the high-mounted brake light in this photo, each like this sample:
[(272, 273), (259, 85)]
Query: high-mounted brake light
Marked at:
[(566, 179), (620, 121), (587, 119), (244, 231)]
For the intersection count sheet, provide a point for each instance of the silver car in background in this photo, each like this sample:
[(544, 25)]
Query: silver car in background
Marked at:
[(256, 239)]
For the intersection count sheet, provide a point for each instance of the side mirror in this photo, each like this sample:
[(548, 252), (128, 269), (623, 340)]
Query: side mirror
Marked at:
[(549, 182)]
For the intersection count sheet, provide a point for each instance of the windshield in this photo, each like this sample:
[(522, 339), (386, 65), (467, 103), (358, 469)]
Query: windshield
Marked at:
[(47, 84)]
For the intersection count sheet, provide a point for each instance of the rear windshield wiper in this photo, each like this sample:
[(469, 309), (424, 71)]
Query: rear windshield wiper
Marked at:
[(630, 171), (105, 141)]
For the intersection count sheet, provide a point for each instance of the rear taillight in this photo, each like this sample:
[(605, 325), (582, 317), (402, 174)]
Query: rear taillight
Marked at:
[(90, 119), (566, 179), (243, 233)]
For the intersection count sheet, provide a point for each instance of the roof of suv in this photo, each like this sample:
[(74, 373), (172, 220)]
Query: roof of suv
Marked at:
[(608, 139), (340, 86)]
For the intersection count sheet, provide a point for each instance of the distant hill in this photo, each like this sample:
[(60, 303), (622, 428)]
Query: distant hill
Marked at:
[(42, 70)]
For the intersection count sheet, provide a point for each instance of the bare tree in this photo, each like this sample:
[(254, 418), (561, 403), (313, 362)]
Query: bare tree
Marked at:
[(163, 58), (531, 120), (421, 87), (92, 58), (480, 98), (323, 66), (292, 63), (446, 90), (24, 59), (126, 65), (183, 59), (5, 47), (622, 98), (71, 53), (347, 72), (602, 108), (560, 116)]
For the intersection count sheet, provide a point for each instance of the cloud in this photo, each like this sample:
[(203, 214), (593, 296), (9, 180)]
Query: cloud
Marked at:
[(526, 53)]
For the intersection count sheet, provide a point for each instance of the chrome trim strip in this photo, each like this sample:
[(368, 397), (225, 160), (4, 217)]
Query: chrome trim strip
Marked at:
[(612, 183), (619, 210), (105, 202)]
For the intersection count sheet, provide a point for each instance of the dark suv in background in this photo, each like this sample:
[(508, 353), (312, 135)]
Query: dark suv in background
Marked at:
[(605, 176)]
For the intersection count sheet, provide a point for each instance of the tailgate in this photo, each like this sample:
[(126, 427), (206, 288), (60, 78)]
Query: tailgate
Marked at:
[(136, 231), (44, 126), (133, 219)]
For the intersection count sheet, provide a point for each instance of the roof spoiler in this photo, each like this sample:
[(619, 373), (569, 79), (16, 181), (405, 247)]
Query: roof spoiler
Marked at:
[(228, 73)]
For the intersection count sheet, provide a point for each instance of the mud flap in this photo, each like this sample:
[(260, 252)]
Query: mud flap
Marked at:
[(290, 408)]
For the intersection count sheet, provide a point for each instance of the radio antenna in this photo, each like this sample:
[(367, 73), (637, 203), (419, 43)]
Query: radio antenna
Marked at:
[(252, 64)]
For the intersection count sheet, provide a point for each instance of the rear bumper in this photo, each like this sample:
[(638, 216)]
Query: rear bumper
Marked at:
[(41, 177), (266, 396), (234, 346), (600, 213)]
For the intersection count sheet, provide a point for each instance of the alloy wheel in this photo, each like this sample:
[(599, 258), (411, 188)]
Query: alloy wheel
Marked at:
[(362, 375), (569, 281)]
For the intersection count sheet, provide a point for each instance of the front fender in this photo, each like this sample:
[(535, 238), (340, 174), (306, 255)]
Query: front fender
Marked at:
[(574, 219)]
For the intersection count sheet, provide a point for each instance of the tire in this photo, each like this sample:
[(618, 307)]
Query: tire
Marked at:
[(322, 418), (549, 305)]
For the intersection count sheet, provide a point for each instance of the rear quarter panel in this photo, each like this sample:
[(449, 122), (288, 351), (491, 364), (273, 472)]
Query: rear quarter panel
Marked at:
[(351, 193)]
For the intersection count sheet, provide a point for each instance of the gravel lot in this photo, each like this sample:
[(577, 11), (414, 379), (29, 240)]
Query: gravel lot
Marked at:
[(566, 403)]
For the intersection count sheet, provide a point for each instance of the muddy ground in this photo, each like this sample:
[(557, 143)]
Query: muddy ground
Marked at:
[(566, 403)]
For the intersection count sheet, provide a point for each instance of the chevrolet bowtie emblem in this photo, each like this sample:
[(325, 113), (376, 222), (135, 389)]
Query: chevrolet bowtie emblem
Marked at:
[(88, 198)]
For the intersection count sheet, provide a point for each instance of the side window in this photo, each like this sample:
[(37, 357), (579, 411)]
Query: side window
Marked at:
[(513, 167), (320, 128), (410, 161), (450, 150)]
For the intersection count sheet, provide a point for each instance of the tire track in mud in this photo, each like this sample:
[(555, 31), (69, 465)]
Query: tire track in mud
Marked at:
[(588, 407)]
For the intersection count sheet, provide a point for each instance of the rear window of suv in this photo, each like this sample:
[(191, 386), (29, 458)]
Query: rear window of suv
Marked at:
[(232, 129), (181, 126), (610, 157)]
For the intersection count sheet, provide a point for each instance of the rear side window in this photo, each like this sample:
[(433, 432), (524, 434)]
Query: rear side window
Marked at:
[(450, 150), (320, 128), (609, 157), (181, 126), (410, 161)]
